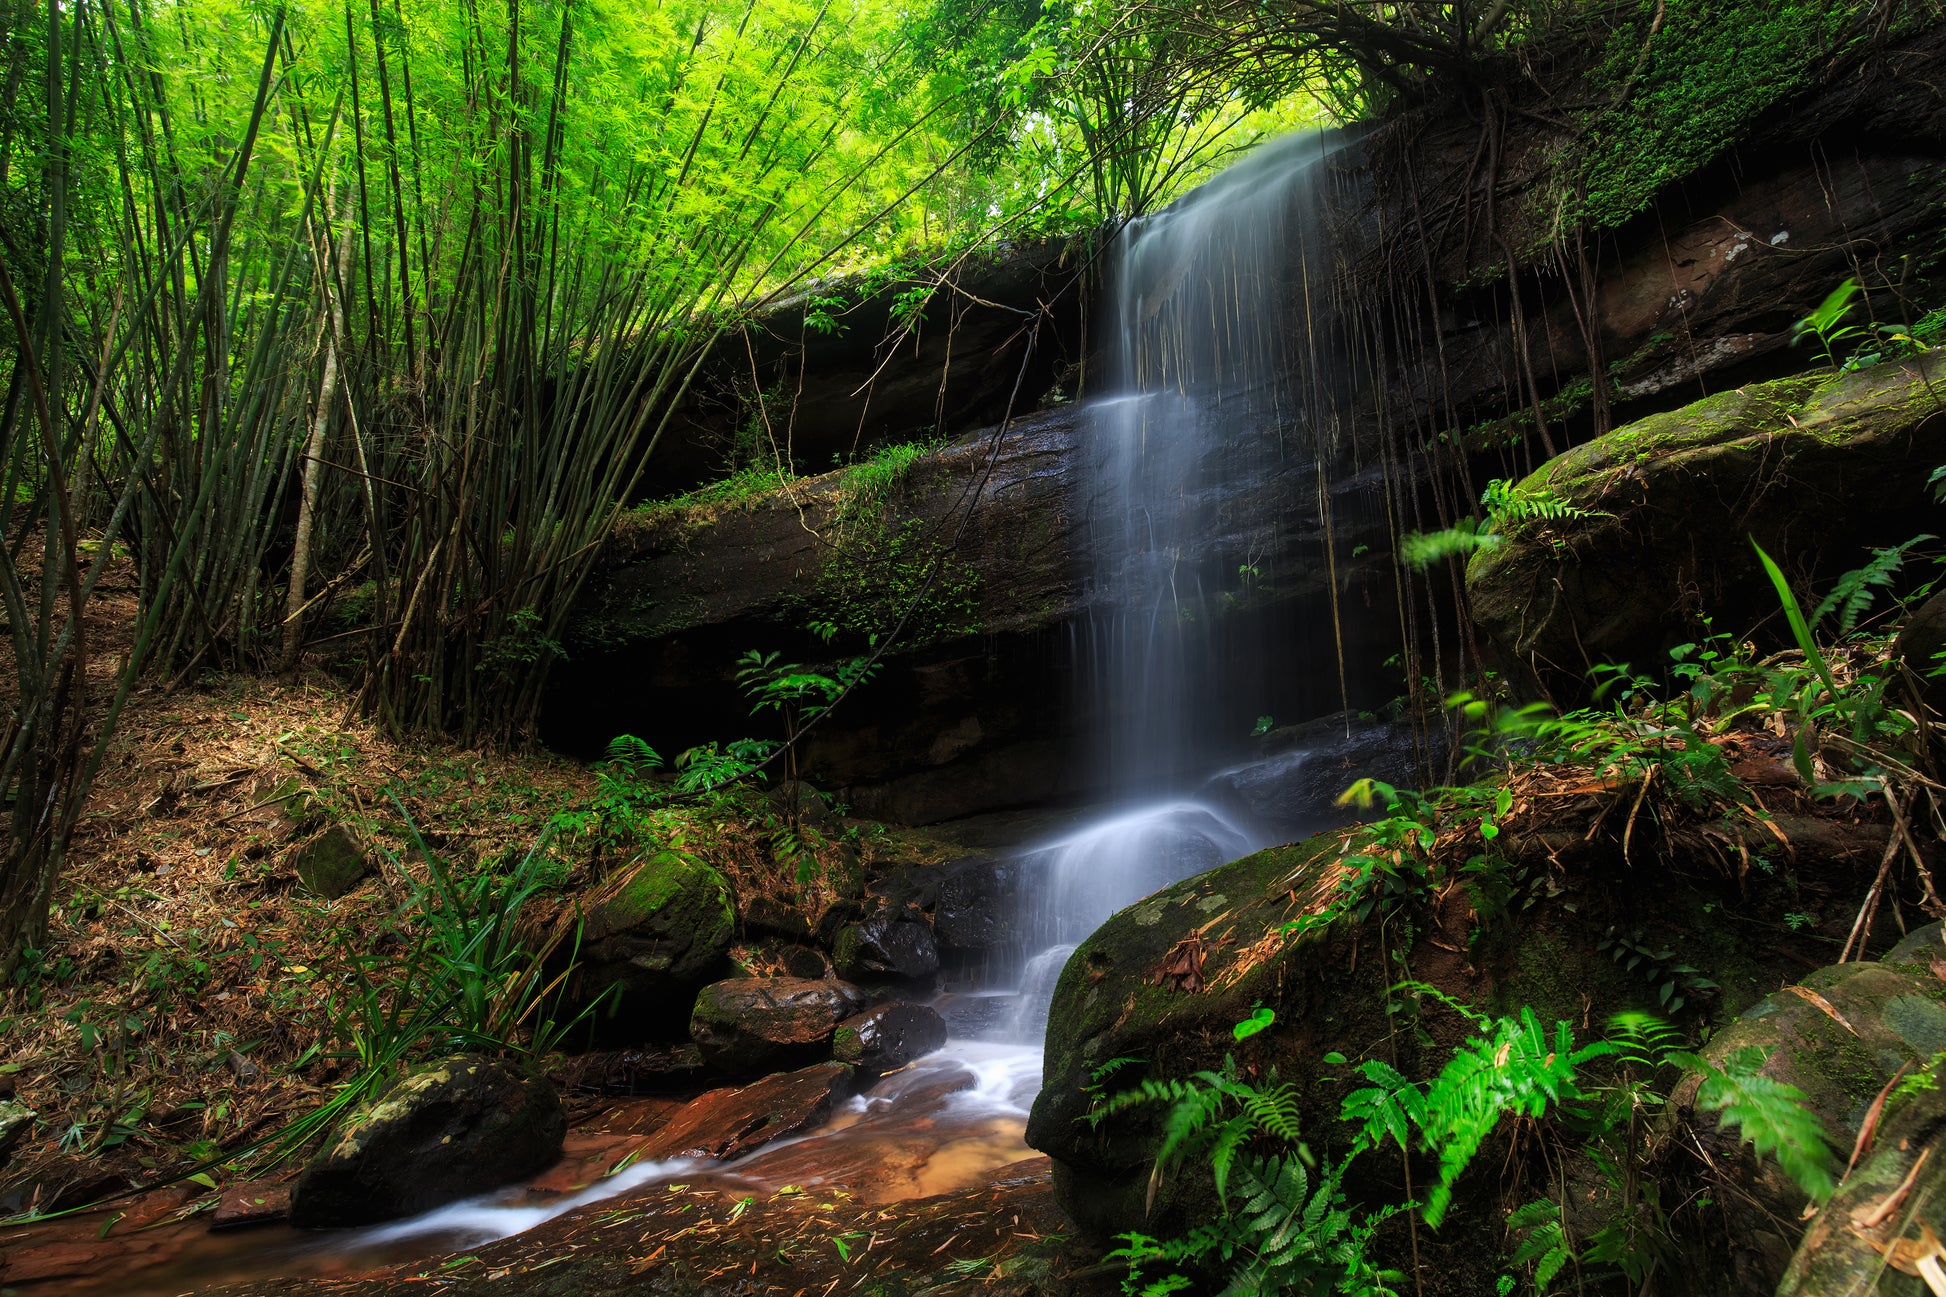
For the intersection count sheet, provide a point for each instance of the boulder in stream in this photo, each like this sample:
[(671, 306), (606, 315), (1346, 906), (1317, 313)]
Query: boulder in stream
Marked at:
[(761, 1024), (726, 1124), (456, 1127), (888, 1037)]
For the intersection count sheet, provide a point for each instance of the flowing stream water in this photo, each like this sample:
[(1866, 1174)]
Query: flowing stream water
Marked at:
[(1218, 376)]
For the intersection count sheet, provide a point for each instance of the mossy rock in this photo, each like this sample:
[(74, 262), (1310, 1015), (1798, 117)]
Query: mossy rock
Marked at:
[(1838, 1035), (1260, 926), (1839, 1251), (454, 1128), (332, 863), (765, 1024), (650, 940), (1815, 467)]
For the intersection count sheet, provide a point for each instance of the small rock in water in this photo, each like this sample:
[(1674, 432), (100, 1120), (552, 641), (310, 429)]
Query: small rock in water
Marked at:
[(887, 946), (885, 1039), (253, 1202), (332, 863), (726, 1124), (754, 1024), (457, 1127)]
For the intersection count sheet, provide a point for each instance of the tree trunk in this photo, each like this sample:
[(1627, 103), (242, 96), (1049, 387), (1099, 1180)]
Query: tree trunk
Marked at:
[(307, 504)]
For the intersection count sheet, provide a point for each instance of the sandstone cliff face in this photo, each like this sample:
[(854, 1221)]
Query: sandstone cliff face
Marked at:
[(980, 701)]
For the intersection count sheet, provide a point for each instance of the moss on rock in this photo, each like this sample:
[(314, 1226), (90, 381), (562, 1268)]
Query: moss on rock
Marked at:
[(1814, 467)]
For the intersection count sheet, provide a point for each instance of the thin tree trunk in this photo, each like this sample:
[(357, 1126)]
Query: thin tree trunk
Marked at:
[(307, 504)]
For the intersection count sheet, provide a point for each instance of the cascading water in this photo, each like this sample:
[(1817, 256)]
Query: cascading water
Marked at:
[(1221, 382)]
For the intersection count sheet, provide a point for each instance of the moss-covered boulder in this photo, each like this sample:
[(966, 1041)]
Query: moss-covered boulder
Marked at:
[(885, 1039), (457, 1127), (650, 939), (765, 1024), (1162, 985), (1814, 467), (1889, 1214), (1838, 1035), (332, 863)]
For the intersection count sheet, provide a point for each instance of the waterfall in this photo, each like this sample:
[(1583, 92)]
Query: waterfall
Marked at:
[(1224, 376)]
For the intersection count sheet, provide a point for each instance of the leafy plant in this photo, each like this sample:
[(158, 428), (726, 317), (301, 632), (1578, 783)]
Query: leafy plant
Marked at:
[(1507, 505), (1676, 984), (1826, 322), (1851, 597)]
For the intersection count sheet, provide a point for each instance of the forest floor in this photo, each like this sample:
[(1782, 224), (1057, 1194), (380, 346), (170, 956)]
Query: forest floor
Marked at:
[(191, 999)]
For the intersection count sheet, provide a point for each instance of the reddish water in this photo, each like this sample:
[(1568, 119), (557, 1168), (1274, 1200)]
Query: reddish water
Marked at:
[(940, 1125)]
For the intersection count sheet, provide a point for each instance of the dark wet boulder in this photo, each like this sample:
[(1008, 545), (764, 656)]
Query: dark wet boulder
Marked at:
[(888, 1037), (1304, 768), (844, 910), (760, 1024), (976, 909), (650, 939), (726, 1124), (1815, 467), (899, 946), (802, 961), (332, 863), (454, 1128)]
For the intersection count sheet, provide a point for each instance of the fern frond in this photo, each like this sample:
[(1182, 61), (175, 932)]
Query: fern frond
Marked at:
[(1772, 1116)]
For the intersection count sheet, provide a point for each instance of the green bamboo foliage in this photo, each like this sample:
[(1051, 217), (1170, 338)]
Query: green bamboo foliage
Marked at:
[(394, 296)]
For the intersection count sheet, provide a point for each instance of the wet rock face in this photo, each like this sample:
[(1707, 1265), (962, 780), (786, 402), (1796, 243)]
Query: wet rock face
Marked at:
[(1814, 468), (655, 937), (976, 907), (1306, 767), (457, 1127), (885, 1039), (756, 1024), (897, 946)]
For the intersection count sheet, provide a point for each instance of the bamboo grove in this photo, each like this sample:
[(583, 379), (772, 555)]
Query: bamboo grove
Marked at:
[(379, 300)]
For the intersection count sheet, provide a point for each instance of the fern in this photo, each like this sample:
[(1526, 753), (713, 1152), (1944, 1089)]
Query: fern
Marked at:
[(1422, 549), (1771, 1115), (631, 756), (1515, 1068), (1304, 1238), (1545, 1246), (1508, 504), (1854, 592)]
